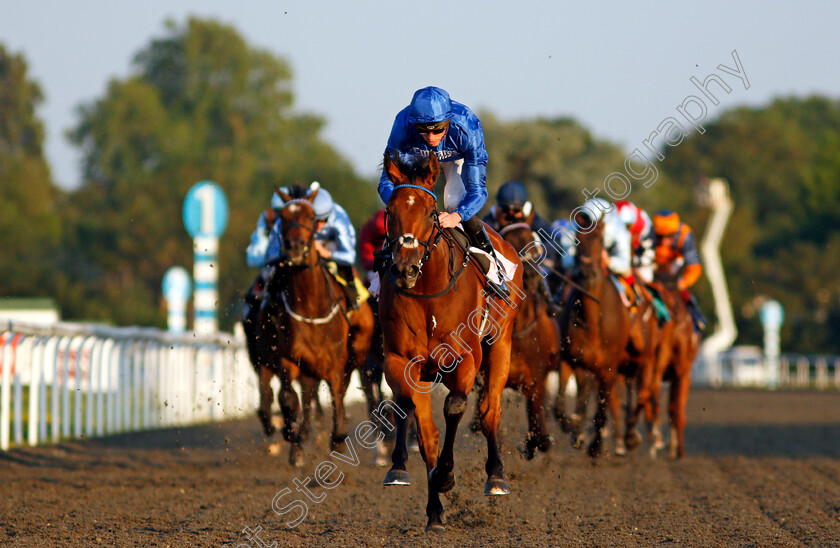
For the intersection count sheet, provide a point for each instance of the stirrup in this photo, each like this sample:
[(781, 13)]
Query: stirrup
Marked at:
[(501, 291)]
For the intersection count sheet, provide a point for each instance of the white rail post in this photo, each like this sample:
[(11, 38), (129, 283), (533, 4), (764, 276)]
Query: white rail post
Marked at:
[(6, 391), (19, 344), (35, 390)]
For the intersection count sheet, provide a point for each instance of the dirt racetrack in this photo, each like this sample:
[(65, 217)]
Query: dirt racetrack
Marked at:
[(763, 469)]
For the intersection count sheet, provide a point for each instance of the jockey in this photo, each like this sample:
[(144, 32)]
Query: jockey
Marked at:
[(372, 238), (335, 241), (255, 254), (512, 206), (640, 225), (617, 242), (676, 255), (435, 123), (561, 231)]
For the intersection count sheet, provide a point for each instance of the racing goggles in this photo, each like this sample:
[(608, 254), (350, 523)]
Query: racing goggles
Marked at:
[(435, 128)]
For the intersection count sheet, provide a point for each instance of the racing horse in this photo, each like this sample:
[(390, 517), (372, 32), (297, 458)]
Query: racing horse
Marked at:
[(439, 326), (307, 331), (677, 349), (595, 327), (535, 340)]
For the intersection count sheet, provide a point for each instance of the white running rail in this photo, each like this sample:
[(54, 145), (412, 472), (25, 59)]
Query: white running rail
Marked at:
[(76, 380)]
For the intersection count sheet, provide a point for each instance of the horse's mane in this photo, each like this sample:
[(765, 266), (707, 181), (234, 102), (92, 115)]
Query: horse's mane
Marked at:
[(297, 191), (413, 166)]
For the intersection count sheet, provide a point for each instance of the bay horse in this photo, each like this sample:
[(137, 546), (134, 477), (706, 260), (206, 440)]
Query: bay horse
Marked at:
[(595, 327), (307, 331), (439, 326), (676, 352), (535, 339), (638, 367)]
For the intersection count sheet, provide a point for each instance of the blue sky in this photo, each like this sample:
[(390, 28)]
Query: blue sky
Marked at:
[(619, 68)]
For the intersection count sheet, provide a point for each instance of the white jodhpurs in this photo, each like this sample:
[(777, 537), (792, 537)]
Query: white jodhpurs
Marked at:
[(454, 191)]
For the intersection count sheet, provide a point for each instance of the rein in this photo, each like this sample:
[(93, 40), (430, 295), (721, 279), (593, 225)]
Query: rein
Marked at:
[(430, 244)]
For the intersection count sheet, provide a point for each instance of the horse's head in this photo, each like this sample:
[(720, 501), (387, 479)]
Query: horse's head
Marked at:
[(591, 247), (297, 218), (522, 238), (412, 215)]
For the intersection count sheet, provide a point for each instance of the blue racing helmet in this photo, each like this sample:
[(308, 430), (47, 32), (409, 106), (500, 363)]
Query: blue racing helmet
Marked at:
[(323, 204), (512, 193), (430, 105)]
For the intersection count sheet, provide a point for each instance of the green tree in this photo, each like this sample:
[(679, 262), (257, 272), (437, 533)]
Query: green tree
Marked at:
[(782, 162), (201, 104), (29, 223), (554, 158)]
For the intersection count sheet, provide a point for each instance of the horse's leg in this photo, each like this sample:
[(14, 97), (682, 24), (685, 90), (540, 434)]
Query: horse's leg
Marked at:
[(604, 395), (289, 404), (615, 409), (266, 397), (563, 375), (338, 386), (676, 410), (398, 475), (309, 391), (537, 437), (428, 436), (663, 358), (585, 383), (497, 367), (442, 477), (478, 388), (632, 437)]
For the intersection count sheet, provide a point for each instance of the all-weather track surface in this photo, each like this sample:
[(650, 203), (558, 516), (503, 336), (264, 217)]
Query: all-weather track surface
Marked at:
[(763, 469)]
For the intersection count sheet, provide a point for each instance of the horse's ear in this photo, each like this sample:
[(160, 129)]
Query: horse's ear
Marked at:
[(434, 169), (392, 169), (282, 195), (310, 196)]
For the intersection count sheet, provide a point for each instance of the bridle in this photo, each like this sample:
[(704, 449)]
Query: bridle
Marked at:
[(430, 244)]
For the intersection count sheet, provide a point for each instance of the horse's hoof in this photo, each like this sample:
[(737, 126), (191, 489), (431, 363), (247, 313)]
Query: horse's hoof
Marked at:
[(652, 452), (441, 485), (338, 444), (620, 449), (413, 446), (594, 450), (496, 486), (435, 527), (396, 477), (274, 448), (633, 439), (381, 457), (296, 456)]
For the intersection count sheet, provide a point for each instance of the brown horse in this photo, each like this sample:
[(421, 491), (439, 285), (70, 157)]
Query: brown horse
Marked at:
[(638, 367), (678, 346), (595, 327), (535, 340), (307, 331), (439, 327)]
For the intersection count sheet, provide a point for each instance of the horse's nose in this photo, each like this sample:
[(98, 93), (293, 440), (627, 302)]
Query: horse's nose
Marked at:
[(412, 271)]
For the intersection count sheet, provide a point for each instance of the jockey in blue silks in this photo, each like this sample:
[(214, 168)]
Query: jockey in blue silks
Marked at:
[(435, 123), (335, 240)]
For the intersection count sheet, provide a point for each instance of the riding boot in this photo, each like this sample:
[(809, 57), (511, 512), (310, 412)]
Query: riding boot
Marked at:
[(696, 313), (350, 293), (545, 293), (478, 236)]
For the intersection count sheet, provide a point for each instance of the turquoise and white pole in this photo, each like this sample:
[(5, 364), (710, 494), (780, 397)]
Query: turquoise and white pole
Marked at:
[(176, 290), (205, 217)]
